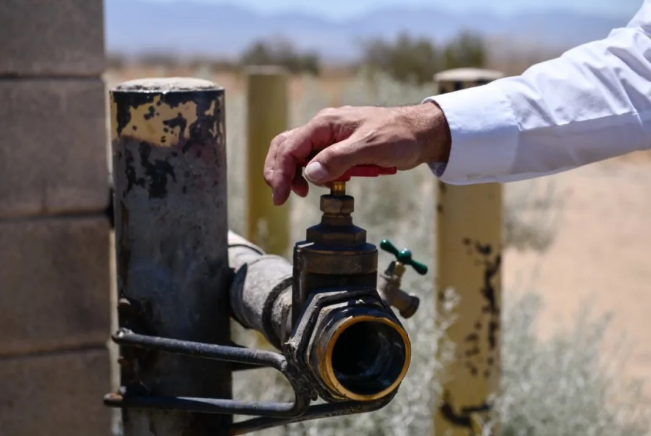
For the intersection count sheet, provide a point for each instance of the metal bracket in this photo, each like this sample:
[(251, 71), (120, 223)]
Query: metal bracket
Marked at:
[(269, 414)]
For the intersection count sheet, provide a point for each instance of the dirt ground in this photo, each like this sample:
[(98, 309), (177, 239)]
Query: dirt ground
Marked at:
[(601, 254)]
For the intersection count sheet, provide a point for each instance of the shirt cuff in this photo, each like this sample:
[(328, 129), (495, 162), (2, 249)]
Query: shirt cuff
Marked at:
[(484, 133)]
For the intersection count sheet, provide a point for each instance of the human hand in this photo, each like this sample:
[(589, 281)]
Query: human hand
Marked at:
[(402, 137)]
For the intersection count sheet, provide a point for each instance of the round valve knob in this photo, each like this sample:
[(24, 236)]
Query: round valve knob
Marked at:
[(403, 256), (362, 171)]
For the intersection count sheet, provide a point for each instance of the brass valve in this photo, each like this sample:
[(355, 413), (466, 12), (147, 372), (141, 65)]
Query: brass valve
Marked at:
[(344, 334), (389, 286)]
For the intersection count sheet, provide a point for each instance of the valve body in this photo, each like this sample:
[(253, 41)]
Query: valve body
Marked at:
[(335, 253), (324, 312), (357, 348)]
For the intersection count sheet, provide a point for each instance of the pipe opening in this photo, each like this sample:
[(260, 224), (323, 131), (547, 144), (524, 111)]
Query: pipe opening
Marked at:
[(370, 357)]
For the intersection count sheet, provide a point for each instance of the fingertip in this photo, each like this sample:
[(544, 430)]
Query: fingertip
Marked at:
[(279, 195), (316, 173), (300, 186)]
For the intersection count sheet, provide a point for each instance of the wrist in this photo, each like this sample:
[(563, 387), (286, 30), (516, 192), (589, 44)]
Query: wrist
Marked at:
[(432, 132)]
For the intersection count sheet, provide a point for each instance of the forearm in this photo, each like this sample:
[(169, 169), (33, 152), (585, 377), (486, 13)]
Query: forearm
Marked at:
[(590, 104)]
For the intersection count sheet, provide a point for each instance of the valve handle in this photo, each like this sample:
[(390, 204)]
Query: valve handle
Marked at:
[(366, 171), (362, 171), (403, 256)]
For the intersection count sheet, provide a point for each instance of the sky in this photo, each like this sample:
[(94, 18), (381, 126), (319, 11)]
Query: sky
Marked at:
[(341, 9)]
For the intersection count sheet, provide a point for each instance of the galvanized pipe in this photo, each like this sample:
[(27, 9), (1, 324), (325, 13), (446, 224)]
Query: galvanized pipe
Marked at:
[(261, 291), (169, 170)]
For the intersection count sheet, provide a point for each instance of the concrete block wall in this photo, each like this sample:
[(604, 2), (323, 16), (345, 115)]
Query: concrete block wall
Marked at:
[(55, 280)]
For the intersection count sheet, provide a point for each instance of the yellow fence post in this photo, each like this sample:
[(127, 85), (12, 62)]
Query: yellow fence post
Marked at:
[(469, 248), (268, 115)]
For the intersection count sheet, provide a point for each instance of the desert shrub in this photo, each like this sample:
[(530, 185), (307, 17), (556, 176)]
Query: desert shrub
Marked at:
[(531, 213), (414, 60), (406, 59), (281, 52), (566, 385), (466, 50)]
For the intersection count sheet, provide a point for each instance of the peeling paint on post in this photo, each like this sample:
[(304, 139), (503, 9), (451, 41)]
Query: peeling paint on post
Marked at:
[(169, 169), (469, 260)]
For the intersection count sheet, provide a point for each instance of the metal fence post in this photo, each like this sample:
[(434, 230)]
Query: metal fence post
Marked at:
[(169, 169), (268, 115), (469, 247)]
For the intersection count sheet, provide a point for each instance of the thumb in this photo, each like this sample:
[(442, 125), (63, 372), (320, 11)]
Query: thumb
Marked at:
[(332, 162)]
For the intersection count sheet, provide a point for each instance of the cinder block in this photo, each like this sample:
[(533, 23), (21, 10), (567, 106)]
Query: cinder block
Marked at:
[(45, 37), (55, 395), (53, 147), (54, 284)]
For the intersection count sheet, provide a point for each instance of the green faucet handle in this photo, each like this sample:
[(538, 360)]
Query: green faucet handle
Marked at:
[(403, 256)]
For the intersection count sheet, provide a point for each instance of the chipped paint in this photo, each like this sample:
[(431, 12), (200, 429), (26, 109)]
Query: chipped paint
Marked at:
[(156, 121), (169, 171), (469, 261)]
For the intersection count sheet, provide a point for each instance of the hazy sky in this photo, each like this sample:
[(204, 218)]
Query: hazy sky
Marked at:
[(346, 8)]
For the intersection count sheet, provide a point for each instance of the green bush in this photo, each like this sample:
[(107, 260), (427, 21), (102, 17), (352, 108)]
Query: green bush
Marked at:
[(566, 386), (281, 52), (466, 50), (415, 60)]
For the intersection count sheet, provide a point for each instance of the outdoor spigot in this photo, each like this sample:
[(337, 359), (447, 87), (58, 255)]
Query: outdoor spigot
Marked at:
[(389, 286), (346, 336), (335, 251)]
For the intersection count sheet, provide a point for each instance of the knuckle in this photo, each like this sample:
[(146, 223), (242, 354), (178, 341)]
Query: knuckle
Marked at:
[(333, 157), (327, 113), (284, 150), (278, 139)]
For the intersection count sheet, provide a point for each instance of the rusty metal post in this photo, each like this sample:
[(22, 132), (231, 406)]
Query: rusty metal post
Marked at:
[(169, 169), (469, 256), (267, 116)]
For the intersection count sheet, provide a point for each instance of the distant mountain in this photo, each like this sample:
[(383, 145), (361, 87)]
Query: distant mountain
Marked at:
[(185, 27)]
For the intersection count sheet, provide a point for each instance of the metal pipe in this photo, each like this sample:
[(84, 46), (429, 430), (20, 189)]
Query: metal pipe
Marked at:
[(261, 291), (169, 170), (469, 261), (360, 353), (210, 405)]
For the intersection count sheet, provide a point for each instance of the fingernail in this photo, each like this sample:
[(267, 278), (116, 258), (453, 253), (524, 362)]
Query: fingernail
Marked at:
[(316, 172), (273, 196)]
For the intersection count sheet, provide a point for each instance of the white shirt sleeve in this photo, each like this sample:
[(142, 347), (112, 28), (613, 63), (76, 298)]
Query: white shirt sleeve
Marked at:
[(590, 104)]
